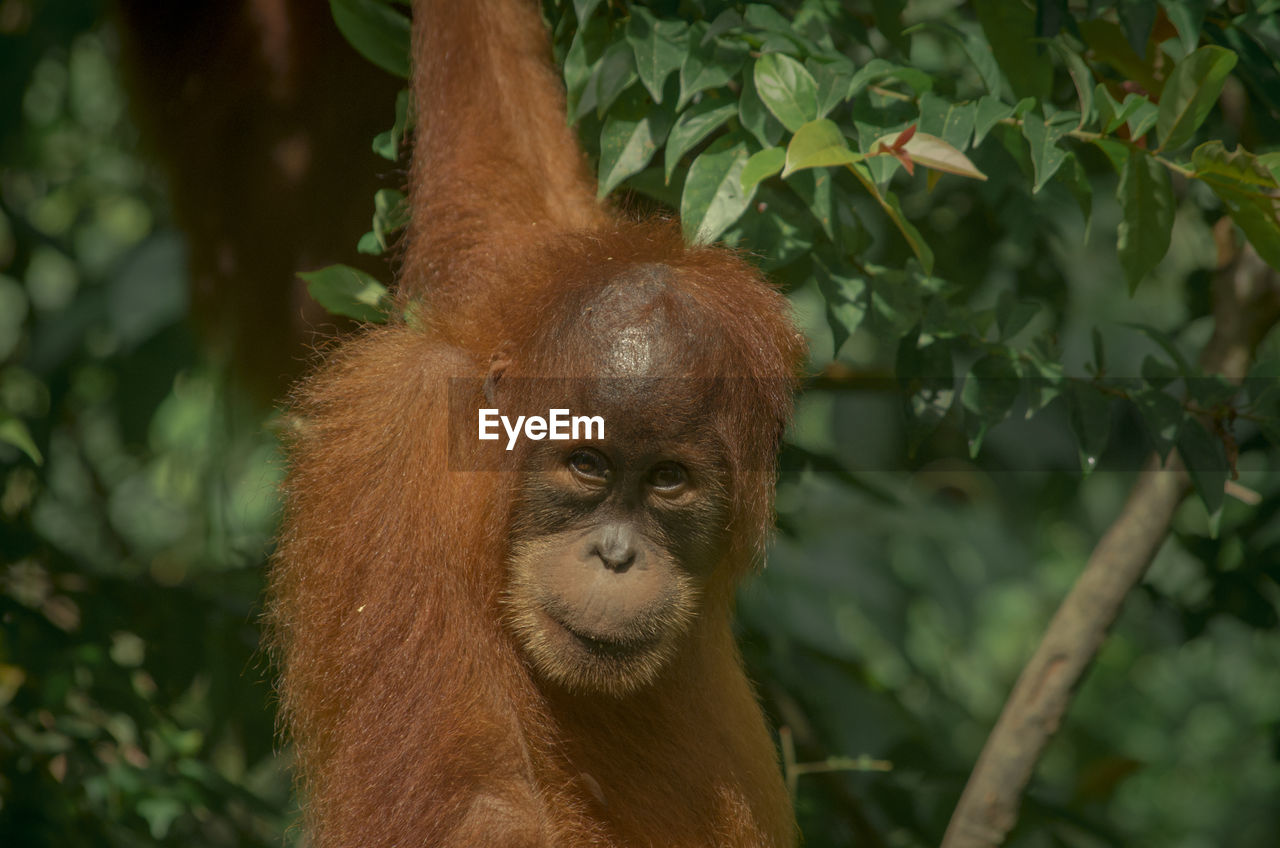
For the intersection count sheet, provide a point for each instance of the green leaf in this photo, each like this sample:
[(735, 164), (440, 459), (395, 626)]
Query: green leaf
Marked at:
[(387, 143), (1258, 215), (1011, 139), (630, 136), (1089, 415), (1190, 93), (584, 8), (870, 72), (708, 65), (1108, 108), (917, 80), (1166, 344), (1157, 372), (160, 813), (814, 187), (927, 376), (1142, 118), (1270, 428), (889, 203), (1081, 78), (1248, 189), (1136, 18), (1206, 460), (894, 303), (1117, 152), (1099, 351), (1187, 17), (787, 89), (15, 432), (659, 47), (343, 290), (725, 22), (832, 78), (846, 299), (1043, 134), (755, 117), (1109, 45), (589, 43), (1042, 375), (1162, 415), (614, 75), (951, 122), (990, 110), (1271, 161), (694, 124), (1263, 387), (713, 195), (390, 215), (1137, 111), (976, 49), (766, 18), (979, 53), (888, 16), (1239, 166), (1013, 315), (990, 390), (1049, 17), (377, 31), (1010, 29), (818, 144), (762, 165), (1073, 176), (1212, 391), (780, 234), (1146, 205)]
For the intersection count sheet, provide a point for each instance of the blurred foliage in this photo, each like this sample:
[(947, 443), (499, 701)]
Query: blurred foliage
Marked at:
[(134, 708), (1042, 323), (979, 341)]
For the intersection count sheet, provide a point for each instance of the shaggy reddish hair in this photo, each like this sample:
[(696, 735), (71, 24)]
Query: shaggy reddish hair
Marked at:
[(415, 719)]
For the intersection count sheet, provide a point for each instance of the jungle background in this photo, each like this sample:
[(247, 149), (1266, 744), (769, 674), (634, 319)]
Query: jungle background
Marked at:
[(998, 341)]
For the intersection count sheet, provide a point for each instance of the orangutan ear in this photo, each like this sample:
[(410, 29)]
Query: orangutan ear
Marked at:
[(498, 364)]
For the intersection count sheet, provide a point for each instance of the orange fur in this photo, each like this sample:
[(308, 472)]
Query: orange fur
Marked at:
[(416, 719)]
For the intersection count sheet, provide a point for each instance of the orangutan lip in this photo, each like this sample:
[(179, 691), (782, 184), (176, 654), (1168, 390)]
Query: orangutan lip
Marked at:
[(605, 647)]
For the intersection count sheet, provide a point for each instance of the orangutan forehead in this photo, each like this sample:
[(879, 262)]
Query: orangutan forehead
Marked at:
[(634, 324)]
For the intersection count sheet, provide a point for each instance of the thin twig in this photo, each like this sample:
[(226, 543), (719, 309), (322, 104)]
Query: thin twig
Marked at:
[(792, 770), (863, 763)]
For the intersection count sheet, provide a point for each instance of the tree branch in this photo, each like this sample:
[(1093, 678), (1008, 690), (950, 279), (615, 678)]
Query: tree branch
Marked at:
[(1246, 304)]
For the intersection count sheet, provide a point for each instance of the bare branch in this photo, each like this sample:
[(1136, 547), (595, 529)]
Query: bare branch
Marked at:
[(1246, 304)]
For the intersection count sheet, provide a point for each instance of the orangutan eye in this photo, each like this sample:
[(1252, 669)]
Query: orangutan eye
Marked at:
[(589, 465), (668, 477)]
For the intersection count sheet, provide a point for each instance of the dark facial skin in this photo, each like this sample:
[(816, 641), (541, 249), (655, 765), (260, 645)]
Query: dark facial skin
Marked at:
[(612, 545), (613, 541)]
